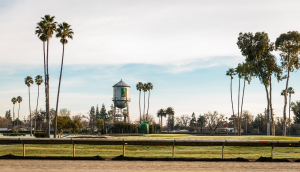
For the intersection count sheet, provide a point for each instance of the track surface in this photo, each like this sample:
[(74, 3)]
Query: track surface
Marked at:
[(79, 165)]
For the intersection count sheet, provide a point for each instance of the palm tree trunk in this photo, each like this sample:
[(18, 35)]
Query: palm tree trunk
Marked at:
[(47, 101), (140, 108), (290, 114), (239, 131), (285, 102), (231, 98), (14, 114), (30, 112), (148, 105), (61, 68), (144, 104), (160, 122), (18, 114), (271, 108), (37, 104), (242, 103)]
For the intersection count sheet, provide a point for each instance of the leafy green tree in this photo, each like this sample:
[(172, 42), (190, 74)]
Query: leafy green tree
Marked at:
[(201, 121), (257, 50), (139, 87), (38, 81), (244, 72), (97, 113), (75, 125), (17, 121), (290, 91), (193, 121), (103, 114), (161, 113), (289, 46), (149, 87), (14, 101), (64, 31), (259, 122), (63, 123), (19, 99), (100, 124), (28, 82), (92, 117), (296, 109)]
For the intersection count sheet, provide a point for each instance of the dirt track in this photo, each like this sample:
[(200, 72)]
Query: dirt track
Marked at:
[(79, 165)]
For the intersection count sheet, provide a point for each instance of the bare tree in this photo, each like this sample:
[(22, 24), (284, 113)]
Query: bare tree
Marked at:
[(214, 120)]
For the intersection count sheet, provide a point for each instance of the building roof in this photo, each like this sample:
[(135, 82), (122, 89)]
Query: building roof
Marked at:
[(121, 84)]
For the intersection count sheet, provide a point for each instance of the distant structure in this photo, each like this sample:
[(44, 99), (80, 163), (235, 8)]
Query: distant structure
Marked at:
[(121, 101)]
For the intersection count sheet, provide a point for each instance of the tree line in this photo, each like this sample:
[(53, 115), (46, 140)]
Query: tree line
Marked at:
[(261, 63)]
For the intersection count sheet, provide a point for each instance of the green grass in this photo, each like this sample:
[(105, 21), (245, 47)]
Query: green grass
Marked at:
[(161, 151)]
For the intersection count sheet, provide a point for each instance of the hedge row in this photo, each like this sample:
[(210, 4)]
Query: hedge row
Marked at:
[(14, 134), (40, 134)]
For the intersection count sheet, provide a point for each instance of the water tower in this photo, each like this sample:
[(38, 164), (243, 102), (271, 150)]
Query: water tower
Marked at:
[(121, 100)]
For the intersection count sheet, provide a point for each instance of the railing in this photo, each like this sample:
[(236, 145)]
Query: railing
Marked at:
[(223, 143)]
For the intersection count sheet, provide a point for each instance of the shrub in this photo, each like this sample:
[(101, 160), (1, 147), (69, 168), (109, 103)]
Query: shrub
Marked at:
[(14, 134), (40, 134)]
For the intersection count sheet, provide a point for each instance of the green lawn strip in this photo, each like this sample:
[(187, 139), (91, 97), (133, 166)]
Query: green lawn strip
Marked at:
[(161, 151), (151, 151)]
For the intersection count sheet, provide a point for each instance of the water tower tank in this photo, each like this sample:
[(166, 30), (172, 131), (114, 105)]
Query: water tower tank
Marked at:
[(121, 94)]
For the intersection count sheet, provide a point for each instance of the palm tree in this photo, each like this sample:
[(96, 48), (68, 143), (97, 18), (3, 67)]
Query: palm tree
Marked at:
[(290, 91), (14, 100), (49, 28), (38, 81), (170, 112), (145, 89), (230, 73), (161, 113), (149, 87), (139, 87), (28, 82), (63, 32), (19, 99)]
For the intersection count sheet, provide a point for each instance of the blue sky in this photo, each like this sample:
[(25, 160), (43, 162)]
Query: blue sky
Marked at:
[(183, 47)]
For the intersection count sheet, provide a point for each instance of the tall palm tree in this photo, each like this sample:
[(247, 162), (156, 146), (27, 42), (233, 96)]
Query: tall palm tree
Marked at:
[(170, 112), (290, 91), (149, 87), (161, 113), (38, 81), (230, 73), (28, 82), (14, 100), (49, 28), (145, 89), (19, 99), (139, 87), (63, 32)]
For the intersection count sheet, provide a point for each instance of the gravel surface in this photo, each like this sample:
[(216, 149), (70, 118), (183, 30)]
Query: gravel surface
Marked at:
[(108, 165)]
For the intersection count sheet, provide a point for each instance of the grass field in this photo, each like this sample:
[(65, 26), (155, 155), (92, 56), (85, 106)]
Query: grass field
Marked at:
[(161, 151)]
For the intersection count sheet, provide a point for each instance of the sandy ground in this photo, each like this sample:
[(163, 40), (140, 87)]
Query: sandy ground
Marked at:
[(78, 165)]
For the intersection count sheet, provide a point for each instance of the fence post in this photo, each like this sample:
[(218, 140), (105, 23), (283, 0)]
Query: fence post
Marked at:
[(23, 149), (123, 148), (173, 151), (73, 148), (272, 152), (223, 150)]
